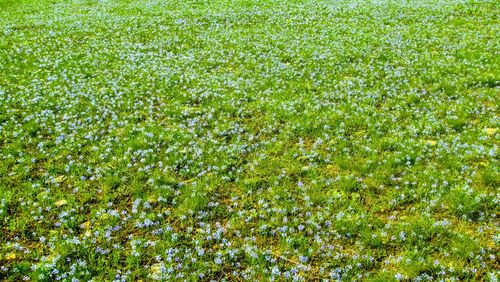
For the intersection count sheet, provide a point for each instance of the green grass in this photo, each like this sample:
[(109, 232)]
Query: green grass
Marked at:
[(249, 140)]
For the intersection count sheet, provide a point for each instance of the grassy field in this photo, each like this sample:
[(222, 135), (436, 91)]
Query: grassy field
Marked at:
[(249, 140)]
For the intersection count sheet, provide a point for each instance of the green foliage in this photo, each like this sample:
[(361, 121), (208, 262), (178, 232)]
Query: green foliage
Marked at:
[(249, 140)]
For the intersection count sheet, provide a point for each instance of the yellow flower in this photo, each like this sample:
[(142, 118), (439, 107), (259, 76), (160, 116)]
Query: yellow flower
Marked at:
[(431, 142), (156, 268), (86, 224), (10, 256), (61, 203)]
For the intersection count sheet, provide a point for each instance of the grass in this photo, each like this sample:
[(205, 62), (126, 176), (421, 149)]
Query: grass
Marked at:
[(249, 140)]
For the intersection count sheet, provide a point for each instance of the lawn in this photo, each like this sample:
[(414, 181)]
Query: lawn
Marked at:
[(249, 140)]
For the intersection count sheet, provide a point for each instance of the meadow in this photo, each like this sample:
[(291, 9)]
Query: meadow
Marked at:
[(244, 140)]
